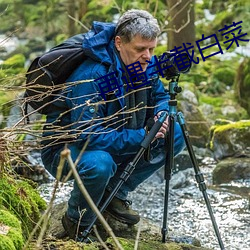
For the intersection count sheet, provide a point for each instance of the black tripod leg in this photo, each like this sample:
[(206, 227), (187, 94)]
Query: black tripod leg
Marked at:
[(199, 177), (168, 173)]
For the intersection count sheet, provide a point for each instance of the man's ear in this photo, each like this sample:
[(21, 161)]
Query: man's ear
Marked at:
[(118, 42)]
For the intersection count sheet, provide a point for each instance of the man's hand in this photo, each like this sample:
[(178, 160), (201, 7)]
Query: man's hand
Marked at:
[(164, 128)]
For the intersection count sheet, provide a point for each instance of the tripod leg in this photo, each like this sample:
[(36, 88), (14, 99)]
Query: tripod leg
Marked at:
[(199, 176), (129, 169), (168, 173)]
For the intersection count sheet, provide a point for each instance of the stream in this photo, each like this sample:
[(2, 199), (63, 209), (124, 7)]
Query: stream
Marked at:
[(187, 212)]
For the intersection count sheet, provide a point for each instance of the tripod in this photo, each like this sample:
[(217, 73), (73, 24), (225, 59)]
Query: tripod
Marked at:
[(169, 163), (129, 169), (173, 90)]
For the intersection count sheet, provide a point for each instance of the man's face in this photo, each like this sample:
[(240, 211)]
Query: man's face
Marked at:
[(138, 49)]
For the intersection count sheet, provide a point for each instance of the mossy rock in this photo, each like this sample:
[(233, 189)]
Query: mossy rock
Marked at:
[(197, 125), (11, 237), (22, 200), (232, 139), (231, 169), (128, 244)]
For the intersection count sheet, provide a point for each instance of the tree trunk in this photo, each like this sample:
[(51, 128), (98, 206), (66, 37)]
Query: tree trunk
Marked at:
[(181, 23), (72, 13), (83, 7)]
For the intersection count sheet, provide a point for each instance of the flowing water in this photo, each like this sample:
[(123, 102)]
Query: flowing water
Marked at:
[(187, 212)]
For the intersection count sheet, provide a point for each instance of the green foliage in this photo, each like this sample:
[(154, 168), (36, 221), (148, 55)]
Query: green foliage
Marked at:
[(5, 97), (225, 13), (60, 38), (160, 49), (213, 76), (224, 75), (214, 101)]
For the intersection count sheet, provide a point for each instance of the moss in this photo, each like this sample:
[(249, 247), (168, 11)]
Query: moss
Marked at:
[(16, 237), (234, 125), (9, 219), (16, 61), (221, 122), (22, 200), (238, 128), (13, 239), (66, 245), (6, 243), (128, 244)]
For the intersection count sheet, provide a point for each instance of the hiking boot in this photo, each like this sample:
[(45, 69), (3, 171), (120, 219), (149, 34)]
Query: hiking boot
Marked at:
[(75, 231), (121, 211)]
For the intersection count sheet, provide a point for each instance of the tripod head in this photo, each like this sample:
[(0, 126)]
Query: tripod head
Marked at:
[(174, 89)]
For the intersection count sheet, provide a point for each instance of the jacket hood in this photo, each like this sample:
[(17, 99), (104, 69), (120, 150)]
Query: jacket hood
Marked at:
[(98, 42)]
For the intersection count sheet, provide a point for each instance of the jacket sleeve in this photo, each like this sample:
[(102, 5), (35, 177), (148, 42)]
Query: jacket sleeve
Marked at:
[(160, 97), (88, 118)]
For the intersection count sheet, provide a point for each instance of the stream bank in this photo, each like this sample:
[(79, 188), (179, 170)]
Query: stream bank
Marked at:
[(188, 216)]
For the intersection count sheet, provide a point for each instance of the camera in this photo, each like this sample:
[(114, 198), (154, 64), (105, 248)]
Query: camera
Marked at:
[(173, 64)]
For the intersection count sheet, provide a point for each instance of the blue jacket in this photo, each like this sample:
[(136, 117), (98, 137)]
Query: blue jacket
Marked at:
[(89, 116)]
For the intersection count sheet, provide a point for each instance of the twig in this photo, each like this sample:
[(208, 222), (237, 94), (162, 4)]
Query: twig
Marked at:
[(99, 238), (137, 236), (77, 21), (66, 154)]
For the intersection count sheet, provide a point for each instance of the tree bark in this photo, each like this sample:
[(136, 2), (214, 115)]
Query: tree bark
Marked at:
[(181, 23), (83, 7), (71, 6)]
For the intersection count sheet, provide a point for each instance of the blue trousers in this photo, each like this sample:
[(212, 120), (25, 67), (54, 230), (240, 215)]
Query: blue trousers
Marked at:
[(100, 170)]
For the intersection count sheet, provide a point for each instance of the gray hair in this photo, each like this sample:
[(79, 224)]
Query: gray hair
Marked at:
[(137, 22)]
